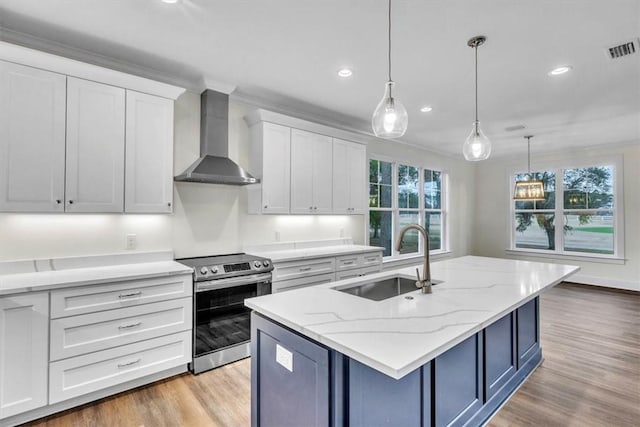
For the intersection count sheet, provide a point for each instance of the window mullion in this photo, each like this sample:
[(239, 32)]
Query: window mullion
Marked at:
[(559, 237)]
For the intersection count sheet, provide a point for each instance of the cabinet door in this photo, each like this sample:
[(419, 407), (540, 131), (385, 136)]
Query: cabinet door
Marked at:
[(276, 168), (32, 139), (357, 168), (289, 378), (302, 171), (322, 174), (349, 177), (24, 352), (149, 154), (95, 147)]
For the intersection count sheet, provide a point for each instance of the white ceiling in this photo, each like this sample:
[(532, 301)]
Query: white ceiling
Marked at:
[(287, 52)]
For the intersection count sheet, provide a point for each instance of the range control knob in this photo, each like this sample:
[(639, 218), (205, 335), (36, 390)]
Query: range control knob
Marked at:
[(257, 264), (265, 263), (204, 270), (214, 269)]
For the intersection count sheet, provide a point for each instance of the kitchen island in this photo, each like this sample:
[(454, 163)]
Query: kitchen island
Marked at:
[(325, 357)]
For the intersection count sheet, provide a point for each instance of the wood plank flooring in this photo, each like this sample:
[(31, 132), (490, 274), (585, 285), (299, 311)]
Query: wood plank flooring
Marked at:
[(590, 376)]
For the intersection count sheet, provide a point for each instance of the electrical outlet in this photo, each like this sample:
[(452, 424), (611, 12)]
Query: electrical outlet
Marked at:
[(277, 236), (132, 241), (342, 232)]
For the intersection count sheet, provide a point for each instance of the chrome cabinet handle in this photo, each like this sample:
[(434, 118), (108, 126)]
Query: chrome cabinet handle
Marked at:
[(124, 365), (305, 268), (265, 207), (372, 259), (132, 325), (70, 202), (132, 294), (348, 262), (169, 204), (58, 201)]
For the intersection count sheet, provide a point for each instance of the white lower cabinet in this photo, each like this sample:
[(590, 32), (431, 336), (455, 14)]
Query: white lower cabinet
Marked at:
[(94, 337), (24, 352), (95, 371), (72, 336), (288, 275)]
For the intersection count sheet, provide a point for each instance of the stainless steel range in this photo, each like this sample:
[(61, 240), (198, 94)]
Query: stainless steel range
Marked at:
[(221, 322)]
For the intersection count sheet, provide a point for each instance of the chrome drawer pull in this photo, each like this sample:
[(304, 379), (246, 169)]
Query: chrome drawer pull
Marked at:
[(133, 325), (305, 269), (124, 365), (132, 294), (348, 262), (372, 259)]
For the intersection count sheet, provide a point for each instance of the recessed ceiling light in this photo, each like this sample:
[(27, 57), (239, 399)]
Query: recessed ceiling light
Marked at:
[(345, 72), (170, 1), (560, 70), (426, 109)]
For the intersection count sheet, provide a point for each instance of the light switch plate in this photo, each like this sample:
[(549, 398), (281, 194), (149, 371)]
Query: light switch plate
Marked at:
[(284, 357), (132, 241)]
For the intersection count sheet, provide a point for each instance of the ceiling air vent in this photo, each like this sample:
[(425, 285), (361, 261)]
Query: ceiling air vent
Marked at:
[(628, 47)]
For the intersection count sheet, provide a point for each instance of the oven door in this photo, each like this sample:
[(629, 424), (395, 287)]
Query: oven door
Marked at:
[(221, 319)]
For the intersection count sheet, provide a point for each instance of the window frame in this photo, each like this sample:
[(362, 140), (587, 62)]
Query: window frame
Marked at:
[(558, 167), (420, 211)]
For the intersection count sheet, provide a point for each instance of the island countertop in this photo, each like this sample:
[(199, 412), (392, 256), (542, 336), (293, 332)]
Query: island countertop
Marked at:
[(397, 335)]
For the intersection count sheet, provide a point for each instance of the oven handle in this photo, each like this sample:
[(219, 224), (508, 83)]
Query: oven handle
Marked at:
[(211, 285)]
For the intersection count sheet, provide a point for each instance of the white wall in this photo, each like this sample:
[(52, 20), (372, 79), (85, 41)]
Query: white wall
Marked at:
[(491, 219)]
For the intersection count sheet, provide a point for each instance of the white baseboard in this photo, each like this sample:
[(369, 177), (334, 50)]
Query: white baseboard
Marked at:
[(606, 282)]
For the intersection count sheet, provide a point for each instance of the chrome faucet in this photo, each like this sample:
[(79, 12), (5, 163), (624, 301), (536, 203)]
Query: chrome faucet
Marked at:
[(425, 282)]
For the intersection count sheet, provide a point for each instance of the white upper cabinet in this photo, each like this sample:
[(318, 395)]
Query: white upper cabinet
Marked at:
[(271, 163), (24, 352), (311, 172), (149, 154), (349, 177), (95, 147), (32, 139)]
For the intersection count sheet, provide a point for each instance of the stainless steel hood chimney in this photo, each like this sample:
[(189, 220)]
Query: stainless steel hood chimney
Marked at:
[(214, 165)]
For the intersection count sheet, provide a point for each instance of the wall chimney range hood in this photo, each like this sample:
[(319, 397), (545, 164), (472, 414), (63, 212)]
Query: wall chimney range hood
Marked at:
[(214, 166)]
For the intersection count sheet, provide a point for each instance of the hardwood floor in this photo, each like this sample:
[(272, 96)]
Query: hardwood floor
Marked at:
[(590, 376)]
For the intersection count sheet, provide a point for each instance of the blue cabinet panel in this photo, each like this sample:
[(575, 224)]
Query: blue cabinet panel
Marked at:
[(499, 355), (527, 321), (376, 399), (283, 397), (458, 383)]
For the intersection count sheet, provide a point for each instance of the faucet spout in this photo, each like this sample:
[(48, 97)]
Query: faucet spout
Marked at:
[(425, 281)]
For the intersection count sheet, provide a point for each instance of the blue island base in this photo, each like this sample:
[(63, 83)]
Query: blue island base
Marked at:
[(300, 383)]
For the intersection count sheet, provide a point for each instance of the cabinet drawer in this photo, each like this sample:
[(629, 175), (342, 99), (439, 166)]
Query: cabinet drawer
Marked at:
[(295, 269), (350, 274), (73, 336), (85, 374), (287, 285), (371, 258), (347, 262), (92, 298)]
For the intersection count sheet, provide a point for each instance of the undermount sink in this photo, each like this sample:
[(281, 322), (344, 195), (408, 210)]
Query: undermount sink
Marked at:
[(382, 289)]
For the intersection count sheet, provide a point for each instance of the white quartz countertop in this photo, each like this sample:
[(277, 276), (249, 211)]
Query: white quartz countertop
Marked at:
[(398, 335), (44, 280), (304, 253)]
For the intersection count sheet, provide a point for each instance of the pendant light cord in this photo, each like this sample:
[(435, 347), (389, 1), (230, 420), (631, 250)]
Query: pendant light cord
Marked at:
[(476, 49), (529, 156), (389, 40)]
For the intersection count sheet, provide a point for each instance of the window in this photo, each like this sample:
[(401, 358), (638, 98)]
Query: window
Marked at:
[(581, 200), (400, 195)]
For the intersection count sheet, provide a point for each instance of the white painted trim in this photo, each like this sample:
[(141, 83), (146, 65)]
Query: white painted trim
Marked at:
[(555, 255), (261, 115), (630, 285), (70, 67)]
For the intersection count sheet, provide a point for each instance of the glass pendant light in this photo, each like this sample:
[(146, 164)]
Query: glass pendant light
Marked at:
[(390, 119), (477, 146), (529, 189)]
